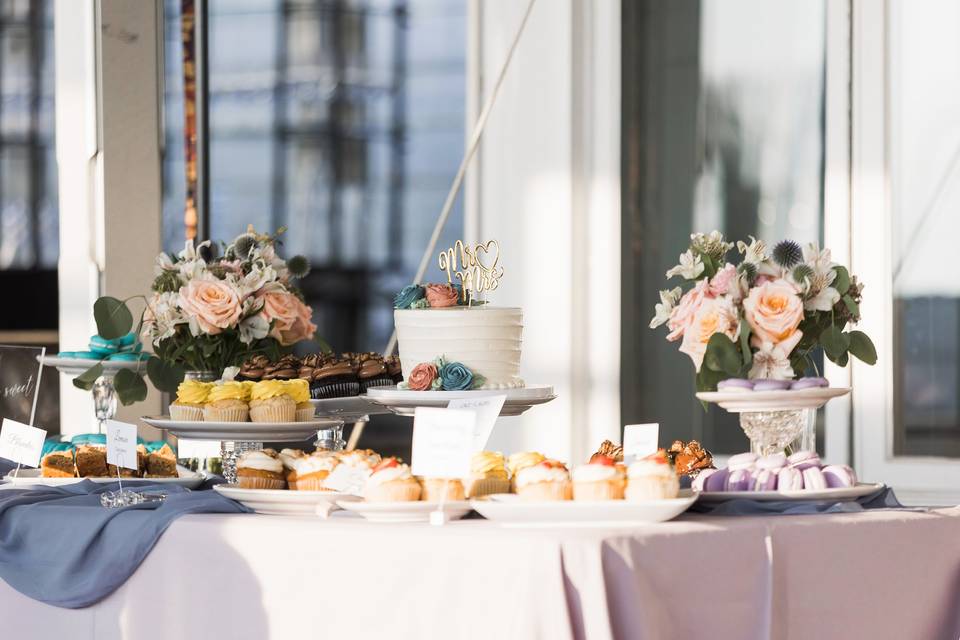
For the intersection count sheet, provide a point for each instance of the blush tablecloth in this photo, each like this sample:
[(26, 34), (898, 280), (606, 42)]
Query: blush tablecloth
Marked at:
[(883, 574)]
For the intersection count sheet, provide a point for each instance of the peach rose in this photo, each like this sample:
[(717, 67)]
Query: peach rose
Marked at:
[(721, 281), (290, 317), (774, 310), (682, 314), (441, 295), (213, 304), (422, 377), (715, 315)]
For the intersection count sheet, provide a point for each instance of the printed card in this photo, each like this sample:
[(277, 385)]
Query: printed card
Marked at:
[(443, 442), (122, 444), (21, 443)]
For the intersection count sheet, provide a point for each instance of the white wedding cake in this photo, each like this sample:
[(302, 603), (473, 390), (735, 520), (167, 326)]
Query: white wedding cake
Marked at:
[(486, 340)]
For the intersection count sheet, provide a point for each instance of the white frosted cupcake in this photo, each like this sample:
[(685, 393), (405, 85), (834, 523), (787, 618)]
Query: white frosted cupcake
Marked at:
[(260, 470), (599, 480), (547, 480), (652, 478), (310, 471), (391, 481)]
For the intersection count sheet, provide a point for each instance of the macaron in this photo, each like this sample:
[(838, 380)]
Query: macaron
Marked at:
[(789, 479), (126, 341), (716, 481), (809, 383), (772, 462), (742, 461), (764, 480), (736, 385), (87, 355), (67, 354), (700, 481), (838, 476), (739, 480), (813, 479), (102, 344), (803, 460), (771, 385)]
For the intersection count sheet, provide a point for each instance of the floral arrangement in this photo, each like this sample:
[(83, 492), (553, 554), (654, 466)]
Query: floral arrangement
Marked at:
[(764, 317), (427, 296), (441, 375), (207, 312)]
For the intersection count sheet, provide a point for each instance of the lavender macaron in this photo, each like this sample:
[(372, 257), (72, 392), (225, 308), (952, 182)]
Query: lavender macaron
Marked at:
[(699, 483), (772, 462), (739, 480), (803, 460), (813, 479), (789, 479), (809, 383), (715, 481), (771, 385), (736, 385), (742, 461), (764, 480), (838, 476)]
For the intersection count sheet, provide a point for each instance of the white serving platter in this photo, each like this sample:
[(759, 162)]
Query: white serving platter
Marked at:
[(76, 366), (283, 502), (843, 494), (752, 401), (514, 509), (404, 401), (405, 511), (242, 431), (350, 408), (32, 478)]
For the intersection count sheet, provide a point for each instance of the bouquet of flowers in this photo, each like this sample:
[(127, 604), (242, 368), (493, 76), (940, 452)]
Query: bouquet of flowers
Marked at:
[(764, 317), (207, 312)]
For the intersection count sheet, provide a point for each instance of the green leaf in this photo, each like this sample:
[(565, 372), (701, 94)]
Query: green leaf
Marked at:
[(86, 379), (745, 346), (852, 306), (843, 359), (707, 379), (113, 318), (842, 282), (722, 355), (164, 375), (861, 346), (130, 387), (835, 342)]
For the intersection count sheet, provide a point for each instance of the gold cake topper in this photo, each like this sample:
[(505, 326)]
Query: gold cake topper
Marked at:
[(465, 263)]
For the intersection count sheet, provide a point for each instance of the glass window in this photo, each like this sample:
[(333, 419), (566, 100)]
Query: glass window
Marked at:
[(717, 135)]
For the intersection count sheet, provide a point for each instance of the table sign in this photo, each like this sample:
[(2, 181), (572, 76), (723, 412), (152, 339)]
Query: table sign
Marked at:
[(487, 409), (122, 445), (442, 442), (640, 440), (21, 443), (21, 373), (347, 479)]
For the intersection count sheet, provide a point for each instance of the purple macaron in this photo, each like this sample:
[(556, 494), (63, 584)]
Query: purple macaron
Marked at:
[(735, 385), (838, 476), (771, 385), (739, 480), (700, 481), (813, 479), (772, 462), (764, 480), (742, 461), (789, 479), (809, 383), (715, 481), (803, 460)]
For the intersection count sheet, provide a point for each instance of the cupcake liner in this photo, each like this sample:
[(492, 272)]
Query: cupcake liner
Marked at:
[(306, 415), (546, 491), (186, 412), (309, 484), (434, 488), (376, 383), (256, 482), (229, 414), (335, 390), (652, 488), (396, 491), (273, 413), (479, 487), (603, 490)]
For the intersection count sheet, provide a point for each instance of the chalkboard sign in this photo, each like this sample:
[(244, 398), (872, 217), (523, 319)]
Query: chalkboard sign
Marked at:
[(20, 380)]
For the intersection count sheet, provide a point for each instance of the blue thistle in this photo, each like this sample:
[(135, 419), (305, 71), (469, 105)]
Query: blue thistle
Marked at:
[(787, 254), (299, 266), (244, 244)]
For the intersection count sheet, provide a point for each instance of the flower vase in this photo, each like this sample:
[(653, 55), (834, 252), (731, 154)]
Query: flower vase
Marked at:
[(779, 430)]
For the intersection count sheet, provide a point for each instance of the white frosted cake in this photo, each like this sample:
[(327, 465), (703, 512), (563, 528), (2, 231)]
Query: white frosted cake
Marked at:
[(487, 340)]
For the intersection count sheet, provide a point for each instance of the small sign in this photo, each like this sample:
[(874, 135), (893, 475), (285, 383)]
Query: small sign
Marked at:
[(21, 443), (443, 442), (122, 444), (198, 448), (640, 440), (347, 479), (487, 410)]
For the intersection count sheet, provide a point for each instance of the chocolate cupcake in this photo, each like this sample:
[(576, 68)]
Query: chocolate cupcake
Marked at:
[(286, 368), (373, 373), (254, 368), (393, 368), (335, 379)]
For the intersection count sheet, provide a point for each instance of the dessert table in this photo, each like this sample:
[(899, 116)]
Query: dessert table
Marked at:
[(876, 574)]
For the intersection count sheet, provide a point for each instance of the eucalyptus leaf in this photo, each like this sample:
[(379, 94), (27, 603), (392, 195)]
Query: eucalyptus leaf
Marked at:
[(130, 387), (835, 342), (861, 346), (707, 379), (113, 318), (842, 282), (852, 306), (745, 345), (722, 355), (165, 376), (86, 379)]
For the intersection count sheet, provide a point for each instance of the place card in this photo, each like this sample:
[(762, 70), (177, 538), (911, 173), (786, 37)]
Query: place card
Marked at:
[(21, 443), (487, 410), (347, 479), (443, 442), (640, 440), (122, 444)]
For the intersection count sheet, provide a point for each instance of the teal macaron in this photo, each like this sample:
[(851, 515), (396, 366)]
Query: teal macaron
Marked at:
[(124, 356)]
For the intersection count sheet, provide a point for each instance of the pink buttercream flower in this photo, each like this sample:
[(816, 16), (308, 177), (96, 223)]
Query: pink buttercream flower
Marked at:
[(682, 314), (441, 295), (214, 304), (422, 377)]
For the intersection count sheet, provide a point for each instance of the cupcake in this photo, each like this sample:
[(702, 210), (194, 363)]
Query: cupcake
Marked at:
[(373, 373), (519, 461), (286, 368), (394, 370), (310, 471), (601, 479), (391, 481), (260, 470), (287, 458), (270, 401), (191, 396), (299, 390), (227, 402), (335, 379), (547, 480), (365, 459), (488, 475), (442, 490), (254, 368), (652, 478)]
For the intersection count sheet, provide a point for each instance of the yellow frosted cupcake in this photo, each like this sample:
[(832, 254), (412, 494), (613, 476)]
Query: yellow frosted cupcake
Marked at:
[(270, 401), (548, 480), (391, 481), (191, 396), (299, 390), (488, 475), (227, 402), (519, 461)]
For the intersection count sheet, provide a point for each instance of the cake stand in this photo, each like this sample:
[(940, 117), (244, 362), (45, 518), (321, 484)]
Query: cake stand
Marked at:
[(351, 409), (772, 420), (404, 401), (104, 394)]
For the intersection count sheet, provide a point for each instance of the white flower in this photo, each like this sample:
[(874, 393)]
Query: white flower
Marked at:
[(255, 327), (229, 373), (690, 266), (820, 295), (163, 263), (190, 252), (258, 277), (711, 244), (755, 252), (191, 269), (823, 300), (668, 298), (161, 318), (771, 362)]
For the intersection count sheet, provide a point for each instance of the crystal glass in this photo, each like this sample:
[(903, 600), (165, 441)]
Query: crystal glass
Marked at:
[(230, 452), (775, 431), (331, 438), (104, 400)]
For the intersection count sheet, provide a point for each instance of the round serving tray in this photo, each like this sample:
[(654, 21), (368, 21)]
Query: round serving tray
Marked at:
[(753, 401), (283, 502), (840, 494), (514, 509), (350, 409), (76, 366), (404, 402), (242, 431)]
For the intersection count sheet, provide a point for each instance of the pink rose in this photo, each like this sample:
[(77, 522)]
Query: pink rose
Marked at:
[(214, 304), (715, 315), (441, 295), (720, 283), (682, 314), (422, 377), (774, 310), (290, 317)]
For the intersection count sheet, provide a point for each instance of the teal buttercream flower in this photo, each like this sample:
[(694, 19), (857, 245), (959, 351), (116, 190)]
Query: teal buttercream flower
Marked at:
[(455, 377), (408, 296)]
